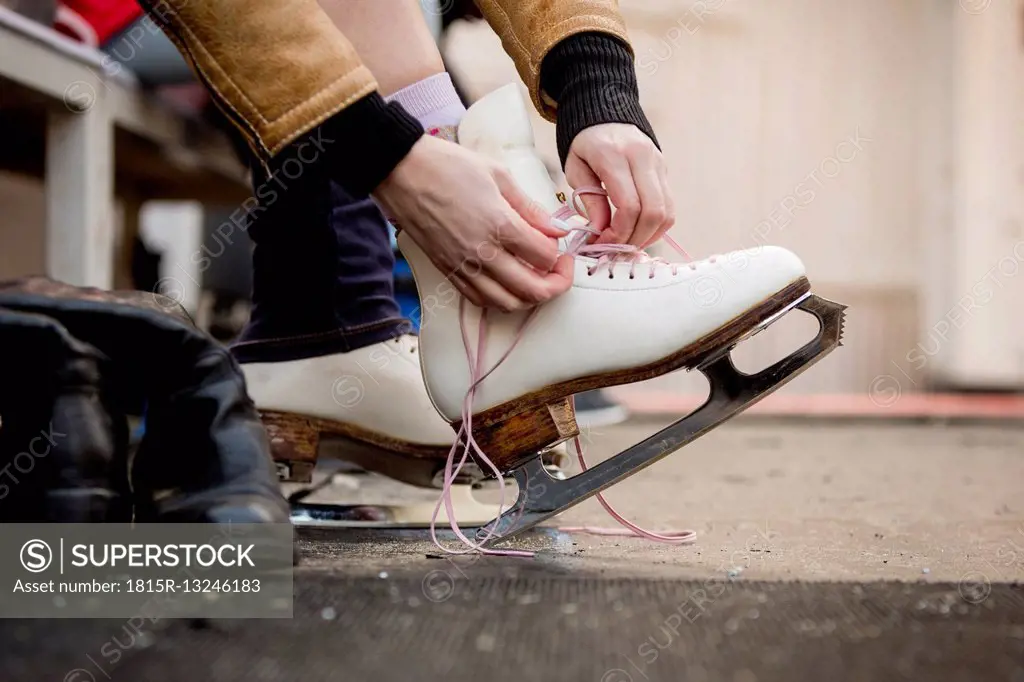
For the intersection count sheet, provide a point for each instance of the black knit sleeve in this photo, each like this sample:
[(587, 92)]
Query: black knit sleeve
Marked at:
[(372, 137), (592, 79)]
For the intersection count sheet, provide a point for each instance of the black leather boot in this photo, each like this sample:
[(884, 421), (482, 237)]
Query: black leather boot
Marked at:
[(205, 455)]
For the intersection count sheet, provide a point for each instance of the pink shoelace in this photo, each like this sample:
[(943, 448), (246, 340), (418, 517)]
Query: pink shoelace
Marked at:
[(606, 255)]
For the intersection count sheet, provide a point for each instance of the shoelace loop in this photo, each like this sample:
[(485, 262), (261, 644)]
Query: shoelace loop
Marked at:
[(607, 255)]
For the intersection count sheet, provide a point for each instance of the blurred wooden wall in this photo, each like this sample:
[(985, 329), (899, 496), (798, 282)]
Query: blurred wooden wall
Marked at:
[(882, 141), (832, 128)]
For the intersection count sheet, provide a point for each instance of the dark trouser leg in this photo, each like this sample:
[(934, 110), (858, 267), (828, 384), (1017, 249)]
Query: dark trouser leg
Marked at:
[(322, 268)]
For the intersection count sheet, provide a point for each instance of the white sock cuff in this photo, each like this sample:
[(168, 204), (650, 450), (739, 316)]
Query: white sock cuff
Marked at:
[(427, 96)]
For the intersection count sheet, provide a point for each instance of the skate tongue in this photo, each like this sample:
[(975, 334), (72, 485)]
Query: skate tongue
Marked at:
[(498, 126)]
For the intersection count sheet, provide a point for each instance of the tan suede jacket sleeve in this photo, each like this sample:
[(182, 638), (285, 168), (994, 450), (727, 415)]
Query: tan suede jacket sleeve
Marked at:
[(280, 67)]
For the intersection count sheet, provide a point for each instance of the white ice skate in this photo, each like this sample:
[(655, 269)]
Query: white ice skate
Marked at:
[(627, 318)]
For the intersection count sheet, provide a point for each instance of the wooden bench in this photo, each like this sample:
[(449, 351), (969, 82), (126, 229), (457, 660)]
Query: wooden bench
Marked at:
[(93, 135)]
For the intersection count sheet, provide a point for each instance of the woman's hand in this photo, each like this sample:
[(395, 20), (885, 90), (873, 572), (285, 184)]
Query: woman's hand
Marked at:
[(632, 169), (495, 245)]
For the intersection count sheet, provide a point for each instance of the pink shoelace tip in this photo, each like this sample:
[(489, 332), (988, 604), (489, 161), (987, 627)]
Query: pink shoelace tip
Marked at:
[(465, 446)]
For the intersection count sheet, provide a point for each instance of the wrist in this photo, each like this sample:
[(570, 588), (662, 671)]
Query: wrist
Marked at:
[(399, 178), (366, 141), (592, 79)]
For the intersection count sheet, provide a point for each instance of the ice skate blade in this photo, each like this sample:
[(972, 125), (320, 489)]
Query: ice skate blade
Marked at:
[(468, 511), (732, 391)]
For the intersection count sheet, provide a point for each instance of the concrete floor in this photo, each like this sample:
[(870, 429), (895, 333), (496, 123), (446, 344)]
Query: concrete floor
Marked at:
[(772, 500), (847, 552)]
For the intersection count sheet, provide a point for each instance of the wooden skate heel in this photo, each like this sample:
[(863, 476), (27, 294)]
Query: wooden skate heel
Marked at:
[(293, 444), (510, 439)]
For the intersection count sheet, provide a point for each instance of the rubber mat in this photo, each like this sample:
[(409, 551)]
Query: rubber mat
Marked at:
[(422, 627)]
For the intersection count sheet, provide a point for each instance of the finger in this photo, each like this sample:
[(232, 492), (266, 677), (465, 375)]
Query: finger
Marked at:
[(551, 231), (597, 205), (493, 294), (559, 280), (652, 199), (524, 282), (520, 239), (467, 290), (529, 210), (670, 206), (599, 211), (618, 179)]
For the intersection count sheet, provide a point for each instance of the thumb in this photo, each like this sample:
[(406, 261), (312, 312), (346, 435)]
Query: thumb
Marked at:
[(599, 211)]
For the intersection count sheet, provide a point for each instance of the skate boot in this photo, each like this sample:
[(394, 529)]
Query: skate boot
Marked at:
[(628, 317), (368, 407), (365, 410)]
